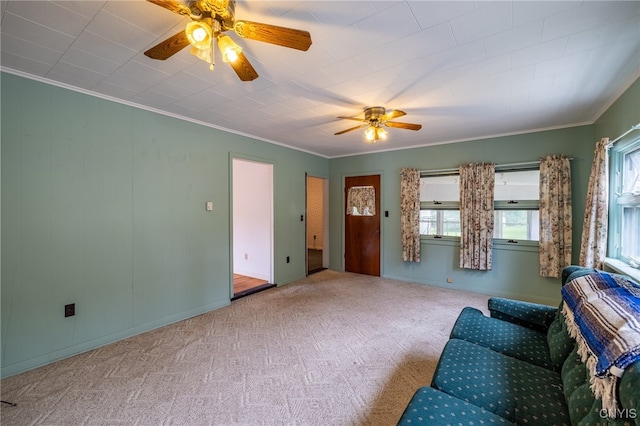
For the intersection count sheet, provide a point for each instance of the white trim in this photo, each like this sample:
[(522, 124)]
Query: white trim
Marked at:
[(617, 96), (620, 267)]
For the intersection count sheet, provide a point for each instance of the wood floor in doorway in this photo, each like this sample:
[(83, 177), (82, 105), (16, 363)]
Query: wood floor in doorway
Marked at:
[(244, 286), (314, 261), (242, 283)]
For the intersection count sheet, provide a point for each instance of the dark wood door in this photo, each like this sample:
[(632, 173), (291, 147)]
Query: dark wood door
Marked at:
[(362, 230)]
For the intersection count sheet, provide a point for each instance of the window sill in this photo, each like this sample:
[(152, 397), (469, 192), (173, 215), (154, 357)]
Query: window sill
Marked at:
[(514, 243), (498, 243), (622, 268)]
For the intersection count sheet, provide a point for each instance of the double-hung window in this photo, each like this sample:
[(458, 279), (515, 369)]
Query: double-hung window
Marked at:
[(516, 197), (440, 205), (516, 206), (624, 207)]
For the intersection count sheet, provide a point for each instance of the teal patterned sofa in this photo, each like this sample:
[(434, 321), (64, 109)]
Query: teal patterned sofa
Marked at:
[(518, 366)]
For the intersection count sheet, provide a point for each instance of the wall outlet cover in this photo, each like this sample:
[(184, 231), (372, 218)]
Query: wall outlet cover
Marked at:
[(69, 310)]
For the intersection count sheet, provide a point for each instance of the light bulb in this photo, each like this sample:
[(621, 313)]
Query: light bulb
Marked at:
[(230, 50), (199, 34), (370, 134), (231, 55)]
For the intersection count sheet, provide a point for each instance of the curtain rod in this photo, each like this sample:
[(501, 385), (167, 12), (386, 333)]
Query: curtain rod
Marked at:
[(502, 167), (636, 127)]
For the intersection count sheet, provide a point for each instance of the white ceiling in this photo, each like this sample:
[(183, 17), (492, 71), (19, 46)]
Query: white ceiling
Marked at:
[(462, 69)]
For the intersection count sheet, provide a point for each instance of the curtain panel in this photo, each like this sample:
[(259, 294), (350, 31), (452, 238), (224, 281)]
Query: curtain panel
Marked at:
[(410, 214), (476, 215), (593, 246), (555, 215)]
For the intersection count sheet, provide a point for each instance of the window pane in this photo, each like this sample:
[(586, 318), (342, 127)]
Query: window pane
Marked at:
[(440, 222), (517, 224), (451, 222), (519, 185), (631, 173), (631, 232), (440, 188), (428, 222)]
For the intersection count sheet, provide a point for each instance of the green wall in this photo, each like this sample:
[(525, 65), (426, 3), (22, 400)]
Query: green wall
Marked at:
[(515, 270), (103, 205), (623, 114)]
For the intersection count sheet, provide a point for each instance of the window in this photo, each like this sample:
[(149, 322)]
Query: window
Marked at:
[(440, 205), (624, 208), (516, 205)]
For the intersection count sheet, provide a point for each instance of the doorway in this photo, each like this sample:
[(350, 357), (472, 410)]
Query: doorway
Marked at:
[(362, 225), (317, 226), (252, 230)]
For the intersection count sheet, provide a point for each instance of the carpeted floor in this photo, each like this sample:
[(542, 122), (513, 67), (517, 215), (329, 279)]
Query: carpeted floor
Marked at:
[(331, 349)]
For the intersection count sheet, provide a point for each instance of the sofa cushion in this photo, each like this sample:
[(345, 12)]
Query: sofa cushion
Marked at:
[(629, 392), (575, 382), (433, 407), (521, 392), (505, 337), (559, 342), (585, 409)]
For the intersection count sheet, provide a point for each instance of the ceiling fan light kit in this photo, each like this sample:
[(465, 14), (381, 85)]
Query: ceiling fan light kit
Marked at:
[(375, 118), (375, 133), (210, 19)]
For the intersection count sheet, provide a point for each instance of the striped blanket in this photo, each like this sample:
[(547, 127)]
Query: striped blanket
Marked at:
[(602, 313)]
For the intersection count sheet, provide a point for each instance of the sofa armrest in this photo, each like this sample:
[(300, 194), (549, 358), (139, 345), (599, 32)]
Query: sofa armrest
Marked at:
[(527, 314), (431, 407)]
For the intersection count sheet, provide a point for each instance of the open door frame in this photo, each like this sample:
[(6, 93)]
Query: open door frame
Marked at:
[(325, 220), (270, 210)]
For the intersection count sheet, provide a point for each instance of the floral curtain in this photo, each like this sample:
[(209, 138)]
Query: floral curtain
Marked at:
[(476, 215), (593, 247), (555, 215), (410, 214), (361, 201)]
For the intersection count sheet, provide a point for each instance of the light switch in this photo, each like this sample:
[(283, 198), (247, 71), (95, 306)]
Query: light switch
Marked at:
[(209, 206)]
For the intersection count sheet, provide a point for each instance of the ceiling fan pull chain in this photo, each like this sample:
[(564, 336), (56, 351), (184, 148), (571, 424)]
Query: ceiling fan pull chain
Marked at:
[(213, 54)]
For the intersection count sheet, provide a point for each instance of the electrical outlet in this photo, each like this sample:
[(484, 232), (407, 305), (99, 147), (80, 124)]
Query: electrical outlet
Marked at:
[(69, 310), (246, 256), (288, 259)]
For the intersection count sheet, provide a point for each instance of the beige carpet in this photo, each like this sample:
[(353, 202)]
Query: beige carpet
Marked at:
[(331, 349)]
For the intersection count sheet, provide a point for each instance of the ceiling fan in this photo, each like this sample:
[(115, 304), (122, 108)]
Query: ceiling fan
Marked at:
[(375, 118), (210, 19)]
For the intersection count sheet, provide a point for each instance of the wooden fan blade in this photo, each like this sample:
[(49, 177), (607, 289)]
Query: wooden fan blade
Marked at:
[(173, 6), (353, 128), (392, 114), (243, 68), (287, 37), (169, 47), (354, 118), (408, 126)]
